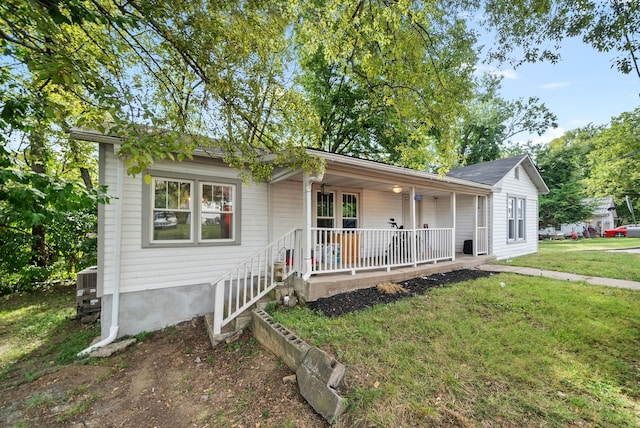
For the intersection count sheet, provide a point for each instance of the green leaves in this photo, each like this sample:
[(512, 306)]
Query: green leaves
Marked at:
[(532, 31), (614, 161)]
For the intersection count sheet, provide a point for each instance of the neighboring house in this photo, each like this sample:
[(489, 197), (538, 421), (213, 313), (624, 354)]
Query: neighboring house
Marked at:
[(198, 240), (603, 217)]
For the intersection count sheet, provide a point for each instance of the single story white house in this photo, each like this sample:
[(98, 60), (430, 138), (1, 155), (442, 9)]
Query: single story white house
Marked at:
[(198, 240), (602, 218)]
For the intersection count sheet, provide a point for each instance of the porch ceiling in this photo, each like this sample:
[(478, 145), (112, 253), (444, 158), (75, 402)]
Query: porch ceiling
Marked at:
[(353, 177)]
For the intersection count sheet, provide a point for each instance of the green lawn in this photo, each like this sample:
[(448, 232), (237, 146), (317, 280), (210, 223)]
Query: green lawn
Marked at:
[(37, 329), (593, 257), (507, 350)]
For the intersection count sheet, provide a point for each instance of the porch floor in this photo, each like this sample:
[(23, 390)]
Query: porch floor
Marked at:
[(326, 285)]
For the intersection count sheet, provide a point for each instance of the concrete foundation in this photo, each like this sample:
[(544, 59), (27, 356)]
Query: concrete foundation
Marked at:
[(152, 310), (327, 285)]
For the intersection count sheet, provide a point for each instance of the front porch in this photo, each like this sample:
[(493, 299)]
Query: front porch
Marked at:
[(329, 284)]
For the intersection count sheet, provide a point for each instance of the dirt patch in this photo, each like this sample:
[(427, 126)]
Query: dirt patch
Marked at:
[(175, 379), (172, 379), (366, 297)]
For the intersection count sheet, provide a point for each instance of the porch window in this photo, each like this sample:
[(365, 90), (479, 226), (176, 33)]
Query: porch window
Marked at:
[(516, 216), (349, 210), (325, 209), (181, 210)]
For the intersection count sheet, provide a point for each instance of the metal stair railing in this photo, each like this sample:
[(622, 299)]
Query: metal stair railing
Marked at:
[(241, 287)]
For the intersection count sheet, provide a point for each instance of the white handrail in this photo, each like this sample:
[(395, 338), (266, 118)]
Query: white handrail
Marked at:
[(248, 282), (351, 250)]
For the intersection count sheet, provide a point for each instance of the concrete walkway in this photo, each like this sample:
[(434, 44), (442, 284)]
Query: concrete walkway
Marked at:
[(608, 282)]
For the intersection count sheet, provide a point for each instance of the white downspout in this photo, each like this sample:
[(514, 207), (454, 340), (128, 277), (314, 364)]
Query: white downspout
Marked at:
[(115, 303), (307, 180)]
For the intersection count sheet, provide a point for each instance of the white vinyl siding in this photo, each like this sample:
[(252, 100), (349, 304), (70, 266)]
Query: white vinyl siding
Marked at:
[(523, 189), (376, 208), (286, 207), (144, 268), (465, 220)]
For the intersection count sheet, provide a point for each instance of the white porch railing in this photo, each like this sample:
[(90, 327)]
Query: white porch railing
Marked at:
[(243, 286), (483, 241), (340, 250)]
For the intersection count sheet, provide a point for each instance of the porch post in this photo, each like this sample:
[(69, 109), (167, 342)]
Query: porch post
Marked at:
[(414, 247), (475, 226), (486, 224), (453, 227), (307, 180)]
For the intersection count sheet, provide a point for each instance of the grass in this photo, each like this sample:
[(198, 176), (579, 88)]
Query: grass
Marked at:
[(587, 257), (37, 330), (534, 352)]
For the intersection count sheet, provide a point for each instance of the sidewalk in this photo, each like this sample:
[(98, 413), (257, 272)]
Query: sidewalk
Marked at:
[(595, 280)]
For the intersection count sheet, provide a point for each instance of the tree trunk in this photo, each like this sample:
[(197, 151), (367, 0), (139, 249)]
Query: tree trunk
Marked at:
[(35, 158)]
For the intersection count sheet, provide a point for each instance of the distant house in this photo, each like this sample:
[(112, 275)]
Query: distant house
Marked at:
[(197, 240), (603, 217)]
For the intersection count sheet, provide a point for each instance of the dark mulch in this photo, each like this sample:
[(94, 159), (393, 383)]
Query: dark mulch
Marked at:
[(356, 300)]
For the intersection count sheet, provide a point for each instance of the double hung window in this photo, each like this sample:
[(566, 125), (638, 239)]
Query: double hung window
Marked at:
[(516, 219), (190, 211)]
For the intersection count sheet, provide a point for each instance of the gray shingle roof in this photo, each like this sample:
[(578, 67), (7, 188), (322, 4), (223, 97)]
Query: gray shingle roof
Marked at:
[(488, 172)]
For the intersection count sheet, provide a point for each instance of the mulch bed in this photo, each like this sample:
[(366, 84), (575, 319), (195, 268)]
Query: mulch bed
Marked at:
[(356, 300)]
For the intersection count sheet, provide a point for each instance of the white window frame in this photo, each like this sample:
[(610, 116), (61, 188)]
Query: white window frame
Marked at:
[(516, 219), (337, 217), (179, 209), (331, 213), (195, 210), (356, 200), (227, 209)]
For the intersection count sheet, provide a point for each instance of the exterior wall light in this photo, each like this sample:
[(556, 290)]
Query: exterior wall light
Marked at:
[(397, 189)]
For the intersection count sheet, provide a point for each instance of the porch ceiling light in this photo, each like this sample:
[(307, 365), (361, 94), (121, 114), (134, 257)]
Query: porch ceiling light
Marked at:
[(397, 189)]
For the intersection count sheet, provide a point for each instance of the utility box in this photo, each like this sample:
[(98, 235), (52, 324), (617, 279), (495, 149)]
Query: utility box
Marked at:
[(87, 300)]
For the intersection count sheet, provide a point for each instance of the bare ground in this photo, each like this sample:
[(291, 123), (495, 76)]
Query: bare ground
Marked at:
[(175, 379), (172, 379)]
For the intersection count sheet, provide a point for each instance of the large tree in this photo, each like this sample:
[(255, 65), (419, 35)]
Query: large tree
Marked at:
[(409, 63), (614, 162), (533, 30), (562, 164), (492, 121)]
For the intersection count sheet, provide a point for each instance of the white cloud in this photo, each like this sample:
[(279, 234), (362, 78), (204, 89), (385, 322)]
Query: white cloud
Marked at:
[(551, 134), (507, 74), (556, 85)]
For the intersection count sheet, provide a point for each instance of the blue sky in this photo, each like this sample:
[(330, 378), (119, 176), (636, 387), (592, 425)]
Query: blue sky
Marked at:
[(581, 89)]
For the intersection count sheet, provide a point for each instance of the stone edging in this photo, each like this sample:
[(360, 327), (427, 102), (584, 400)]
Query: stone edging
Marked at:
[(318, 374)]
